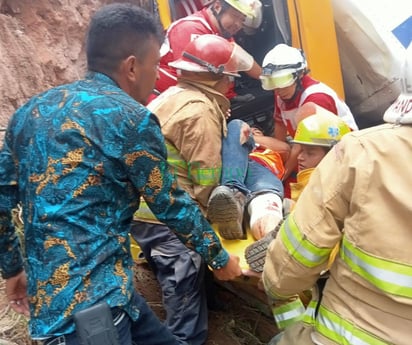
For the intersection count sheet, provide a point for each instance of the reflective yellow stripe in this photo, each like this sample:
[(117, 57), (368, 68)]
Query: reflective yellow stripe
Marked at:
[(379, 272), (174, 158), (309, 316), (205, 176), (299, 246), (288, 313), (332, 326), (144, 213), (199, 176)]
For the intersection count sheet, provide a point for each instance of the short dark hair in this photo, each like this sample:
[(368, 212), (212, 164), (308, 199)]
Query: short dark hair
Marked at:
[(117, 31)]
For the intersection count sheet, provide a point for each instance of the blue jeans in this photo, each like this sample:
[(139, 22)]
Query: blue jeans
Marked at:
[(180, 273), (147, 330), (239, 171)]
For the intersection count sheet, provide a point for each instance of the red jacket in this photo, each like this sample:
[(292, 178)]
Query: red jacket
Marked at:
[(318, 93)]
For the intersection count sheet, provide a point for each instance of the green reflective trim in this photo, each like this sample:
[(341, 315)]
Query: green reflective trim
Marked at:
[(144, 212), (288, 313), (200, 176), (379, 272), (309, 316), (205, 176), (300, 247), (332, 326), (174, 158)]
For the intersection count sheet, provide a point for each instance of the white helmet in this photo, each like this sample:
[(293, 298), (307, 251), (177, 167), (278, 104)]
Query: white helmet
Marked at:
[(243, 6), (252, 23), (282, 66), (400, 112)]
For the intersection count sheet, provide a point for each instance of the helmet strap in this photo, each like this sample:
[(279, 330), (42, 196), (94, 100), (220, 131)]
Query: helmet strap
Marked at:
[(224, 33), (211, 68), (299, 86)]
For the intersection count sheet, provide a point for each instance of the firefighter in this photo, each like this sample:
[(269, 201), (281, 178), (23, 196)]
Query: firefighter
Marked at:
[(192, 116), (358, 198), (316, 134), (285, 71), (223, 18)]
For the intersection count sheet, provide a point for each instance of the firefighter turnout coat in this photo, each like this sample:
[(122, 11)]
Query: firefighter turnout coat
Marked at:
[(192, 116), (358, 197)]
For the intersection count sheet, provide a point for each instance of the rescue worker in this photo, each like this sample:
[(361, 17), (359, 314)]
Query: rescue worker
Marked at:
[(357, 197), (317, 134), (192, 118), (285, 71), (223, 18)]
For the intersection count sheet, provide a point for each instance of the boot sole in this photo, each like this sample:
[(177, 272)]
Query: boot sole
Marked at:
[(255, 254), (224, 214)]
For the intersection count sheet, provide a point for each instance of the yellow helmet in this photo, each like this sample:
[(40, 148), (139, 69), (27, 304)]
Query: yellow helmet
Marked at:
[(321, 129)]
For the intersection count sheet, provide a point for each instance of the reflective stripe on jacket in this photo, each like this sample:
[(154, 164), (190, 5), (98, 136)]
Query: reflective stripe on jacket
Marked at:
[(300, 247), (288, 313), (192, 118), (357, 197), (196, 174)]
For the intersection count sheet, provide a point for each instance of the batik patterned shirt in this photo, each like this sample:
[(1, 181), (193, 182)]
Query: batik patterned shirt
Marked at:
[(78, 157)]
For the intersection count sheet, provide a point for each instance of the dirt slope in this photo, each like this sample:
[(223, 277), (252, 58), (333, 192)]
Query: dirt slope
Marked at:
[(41, 45)]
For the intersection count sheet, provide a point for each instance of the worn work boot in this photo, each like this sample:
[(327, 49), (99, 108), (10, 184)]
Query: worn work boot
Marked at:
[(225, 212)]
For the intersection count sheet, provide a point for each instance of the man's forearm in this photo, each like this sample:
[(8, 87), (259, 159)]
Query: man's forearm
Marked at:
[(291, 163), (255, 71)]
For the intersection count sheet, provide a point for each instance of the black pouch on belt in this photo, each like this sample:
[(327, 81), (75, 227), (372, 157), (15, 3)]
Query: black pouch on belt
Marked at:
[(94, 326)]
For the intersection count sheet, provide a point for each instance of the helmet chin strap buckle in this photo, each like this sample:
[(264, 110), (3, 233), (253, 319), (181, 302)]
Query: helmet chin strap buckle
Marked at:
[(211, 68)]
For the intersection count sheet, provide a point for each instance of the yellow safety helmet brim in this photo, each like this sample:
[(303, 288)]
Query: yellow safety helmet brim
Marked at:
[(277, 81), (321, 129)]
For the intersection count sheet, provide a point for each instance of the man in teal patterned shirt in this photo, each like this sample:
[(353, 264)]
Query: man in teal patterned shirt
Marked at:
[(78, 157)]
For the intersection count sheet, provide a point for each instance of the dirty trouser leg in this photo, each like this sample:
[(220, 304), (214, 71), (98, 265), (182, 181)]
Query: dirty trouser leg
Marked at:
[(298, 333), (148, 330), (236, 147), (225, 208), (260, 179), (183, 296), (275, 340), (180, 272)]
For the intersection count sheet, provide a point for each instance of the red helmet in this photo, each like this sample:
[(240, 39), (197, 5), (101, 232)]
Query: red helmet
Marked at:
[(213, 54)]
